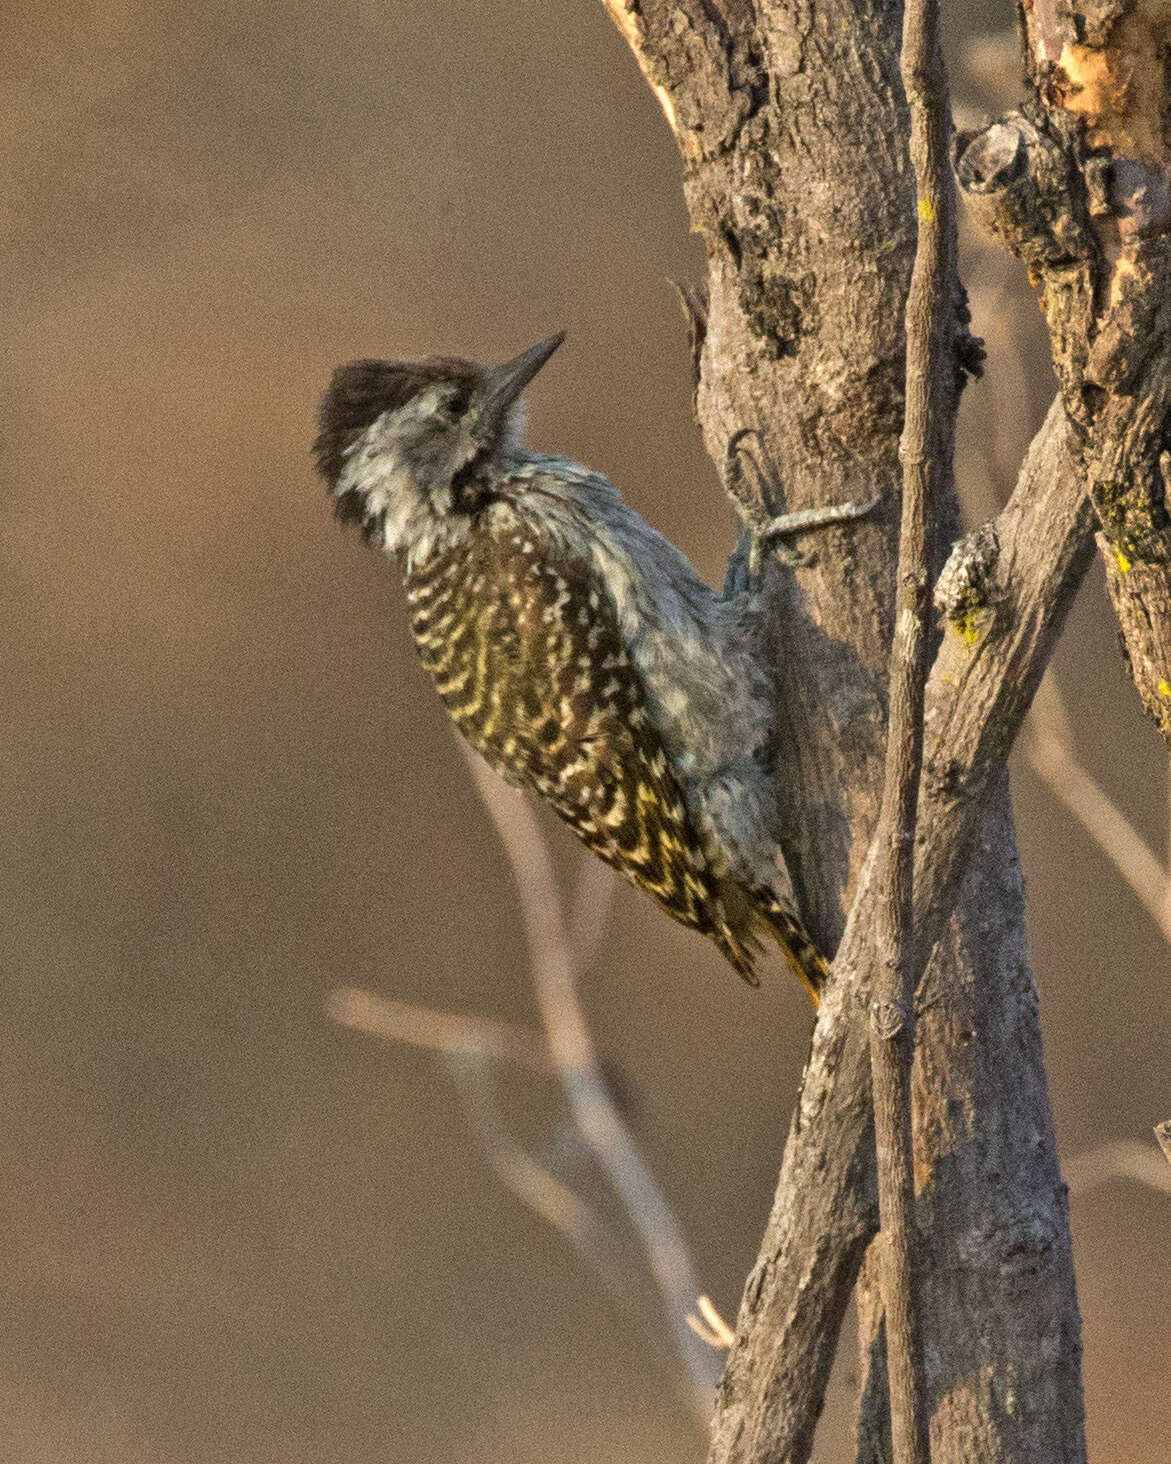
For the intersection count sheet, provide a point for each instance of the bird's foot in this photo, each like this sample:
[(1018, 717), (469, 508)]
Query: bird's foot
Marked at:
[(751, 478)]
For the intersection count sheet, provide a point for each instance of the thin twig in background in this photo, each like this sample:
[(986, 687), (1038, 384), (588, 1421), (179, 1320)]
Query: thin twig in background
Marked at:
[(554, 971), (447, 1033), (451, 1034), (1163, 1134), (560, 943), (534, 1185), (470, 1050), (925, 450), (1049, 750), (1121, 1159), (590, 908), (710, 1326)]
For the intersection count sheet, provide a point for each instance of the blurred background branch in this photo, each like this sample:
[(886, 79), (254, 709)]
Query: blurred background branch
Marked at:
[(1119, 1159), (562, 936), (449, 1033), (1048, 747)]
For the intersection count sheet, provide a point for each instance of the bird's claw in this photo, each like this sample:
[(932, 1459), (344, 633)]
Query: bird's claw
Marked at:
[(770, 531)]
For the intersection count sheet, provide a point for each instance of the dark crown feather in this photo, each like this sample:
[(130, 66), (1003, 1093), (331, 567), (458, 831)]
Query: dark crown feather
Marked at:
[(361, 391)]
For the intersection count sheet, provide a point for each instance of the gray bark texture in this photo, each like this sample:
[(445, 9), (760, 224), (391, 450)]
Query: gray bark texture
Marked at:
[(1076, 183), (793, 131)]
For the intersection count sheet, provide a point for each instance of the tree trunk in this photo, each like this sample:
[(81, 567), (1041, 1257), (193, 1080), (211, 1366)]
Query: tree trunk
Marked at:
[(793, 133)]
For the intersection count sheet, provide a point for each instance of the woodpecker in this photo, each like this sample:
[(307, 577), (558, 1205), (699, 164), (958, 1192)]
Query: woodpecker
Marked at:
[(574, 647)]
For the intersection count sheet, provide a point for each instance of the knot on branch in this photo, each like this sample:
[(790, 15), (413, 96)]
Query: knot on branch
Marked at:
[(1094, 227), (1021, 182), (966, 591), (887, 1019), (1030, 181)]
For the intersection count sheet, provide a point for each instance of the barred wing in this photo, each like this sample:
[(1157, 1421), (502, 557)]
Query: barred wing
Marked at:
[(526, 652)]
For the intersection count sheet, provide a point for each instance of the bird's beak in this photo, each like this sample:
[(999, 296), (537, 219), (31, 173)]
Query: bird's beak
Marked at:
[(503, 384)]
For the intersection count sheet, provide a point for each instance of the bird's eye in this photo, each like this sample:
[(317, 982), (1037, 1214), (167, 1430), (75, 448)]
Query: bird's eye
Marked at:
[(457, 402)]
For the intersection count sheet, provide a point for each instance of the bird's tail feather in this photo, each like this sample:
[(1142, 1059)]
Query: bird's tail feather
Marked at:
[(748, 913), (797, 945)]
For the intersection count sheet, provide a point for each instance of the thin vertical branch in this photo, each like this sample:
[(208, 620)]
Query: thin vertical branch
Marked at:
[(926, 454)]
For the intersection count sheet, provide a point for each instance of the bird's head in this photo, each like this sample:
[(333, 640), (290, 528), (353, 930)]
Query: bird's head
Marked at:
[(400, 443)]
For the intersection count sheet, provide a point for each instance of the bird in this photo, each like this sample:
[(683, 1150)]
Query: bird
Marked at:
[(574, 647)]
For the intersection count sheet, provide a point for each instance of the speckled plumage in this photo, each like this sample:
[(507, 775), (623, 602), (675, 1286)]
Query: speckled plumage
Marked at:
[(572, 645)]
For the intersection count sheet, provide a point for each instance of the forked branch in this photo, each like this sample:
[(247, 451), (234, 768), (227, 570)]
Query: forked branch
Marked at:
[(809, 230)]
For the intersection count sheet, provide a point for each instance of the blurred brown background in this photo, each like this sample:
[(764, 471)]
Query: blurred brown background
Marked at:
[(230, 1230)]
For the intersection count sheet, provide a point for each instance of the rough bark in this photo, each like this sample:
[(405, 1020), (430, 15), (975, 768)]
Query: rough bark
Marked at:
[(992, 1206), (1003, 595), (1077, 185), (793, 133)]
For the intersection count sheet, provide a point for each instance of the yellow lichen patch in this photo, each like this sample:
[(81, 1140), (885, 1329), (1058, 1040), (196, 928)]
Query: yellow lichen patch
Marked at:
[(926, 210), (1164, 688), (1121, 561), (969, 626)]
